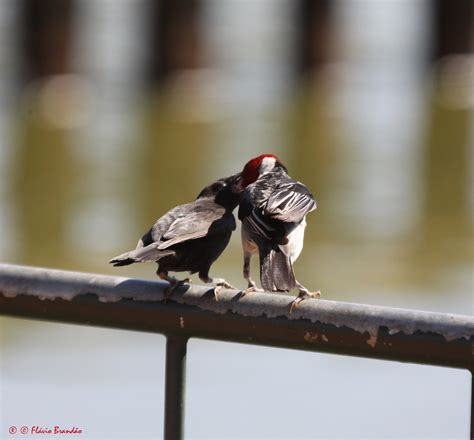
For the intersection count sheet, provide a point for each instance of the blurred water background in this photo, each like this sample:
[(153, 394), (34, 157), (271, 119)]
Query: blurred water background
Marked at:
[(113, 111)]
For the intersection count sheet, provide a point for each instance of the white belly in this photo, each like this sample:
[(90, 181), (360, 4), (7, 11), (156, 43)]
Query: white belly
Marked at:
[(293, 248), (295, 242)]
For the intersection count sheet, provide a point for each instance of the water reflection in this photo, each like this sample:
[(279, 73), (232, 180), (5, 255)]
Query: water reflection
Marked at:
[(388, 158), (175, 159), (44, 175)]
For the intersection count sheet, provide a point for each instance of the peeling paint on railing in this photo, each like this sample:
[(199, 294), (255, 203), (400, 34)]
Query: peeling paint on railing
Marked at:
[(369, 321), (48, 285)]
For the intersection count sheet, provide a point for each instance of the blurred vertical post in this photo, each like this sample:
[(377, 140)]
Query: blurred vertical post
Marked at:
[(448, 143), (314, 22), (177, 114), (176, 40), (47, 31)]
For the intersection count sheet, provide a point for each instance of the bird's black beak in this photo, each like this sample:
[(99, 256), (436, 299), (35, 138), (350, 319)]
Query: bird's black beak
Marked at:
[(238, 184)]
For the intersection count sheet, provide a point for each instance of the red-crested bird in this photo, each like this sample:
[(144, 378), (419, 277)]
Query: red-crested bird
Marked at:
[(273, 212), (190, 237)]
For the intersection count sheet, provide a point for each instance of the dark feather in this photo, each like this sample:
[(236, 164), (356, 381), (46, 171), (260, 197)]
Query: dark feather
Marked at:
[(140, 255), (290, 202), (274, 205), (276, 270), (195, 222), (189, 237)]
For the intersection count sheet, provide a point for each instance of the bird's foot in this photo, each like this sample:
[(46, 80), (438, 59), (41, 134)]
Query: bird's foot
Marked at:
[(221, 284), (302, 296), (174, 284), (252, 287)]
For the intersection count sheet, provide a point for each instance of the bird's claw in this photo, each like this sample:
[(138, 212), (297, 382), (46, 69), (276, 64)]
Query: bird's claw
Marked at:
[(226, 285), (174, 284), (221, 284), (250, 289), (217, 290), (302, 296)]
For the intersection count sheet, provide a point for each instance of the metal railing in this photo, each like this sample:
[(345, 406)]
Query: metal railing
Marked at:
[(259, 318)]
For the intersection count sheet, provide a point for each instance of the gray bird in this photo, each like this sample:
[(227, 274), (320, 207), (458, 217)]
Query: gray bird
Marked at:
[(190, 237), (273, 212)]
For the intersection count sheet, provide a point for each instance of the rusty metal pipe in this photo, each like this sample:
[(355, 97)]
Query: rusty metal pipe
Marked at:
[(258, 318)]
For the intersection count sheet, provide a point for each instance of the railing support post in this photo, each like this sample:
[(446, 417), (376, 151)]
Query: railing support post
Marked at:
[(175, 378), (472, 404)]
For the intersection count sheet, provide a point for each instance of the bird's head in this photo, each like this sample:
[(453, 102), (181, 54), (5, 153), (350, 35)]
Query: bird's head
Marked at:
[(216, 187), (257, 166)]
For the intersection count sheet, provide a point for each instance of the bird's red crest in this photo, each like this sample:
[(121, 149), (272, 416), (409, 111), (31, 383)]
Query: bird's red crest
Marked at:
[(251, 168)]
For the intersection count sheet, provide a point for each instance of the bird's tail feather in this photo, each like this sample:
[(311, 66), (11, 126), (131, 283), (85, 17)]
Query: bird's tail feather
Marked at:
[(276, 270), (147, 253), (122, 260)]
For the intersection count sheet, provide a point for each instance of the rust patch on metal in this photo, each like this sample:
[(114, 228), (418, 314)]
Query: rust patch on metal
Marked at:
[(311, 336), (372, 341)]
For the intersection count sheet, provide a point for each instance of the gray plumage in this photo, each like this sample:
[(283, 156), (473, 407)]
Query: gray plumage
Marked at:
[(276, 269), (273, 211), (192, 236)]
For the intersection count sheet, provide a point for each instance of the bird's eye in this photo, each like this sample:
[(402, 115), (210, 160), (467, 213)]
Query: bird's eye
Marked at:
[(216, 187)]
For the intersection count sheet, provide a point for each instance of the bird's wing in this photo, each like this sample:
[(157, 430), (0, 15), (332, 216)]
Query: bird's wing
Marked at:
[(273, 205), (253, 218), (155, 234), (199, 219), (289, 202)]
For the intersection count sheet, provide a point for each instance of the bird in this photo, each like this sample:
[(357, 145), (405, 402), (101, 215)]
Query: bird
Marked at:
[(190, 237), (273, 211)]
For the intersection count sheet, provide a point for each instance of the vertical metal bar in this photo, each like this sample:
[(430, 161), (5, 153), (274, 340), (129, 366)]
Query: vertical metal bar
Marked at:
[(472, 404), (175, 377)]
